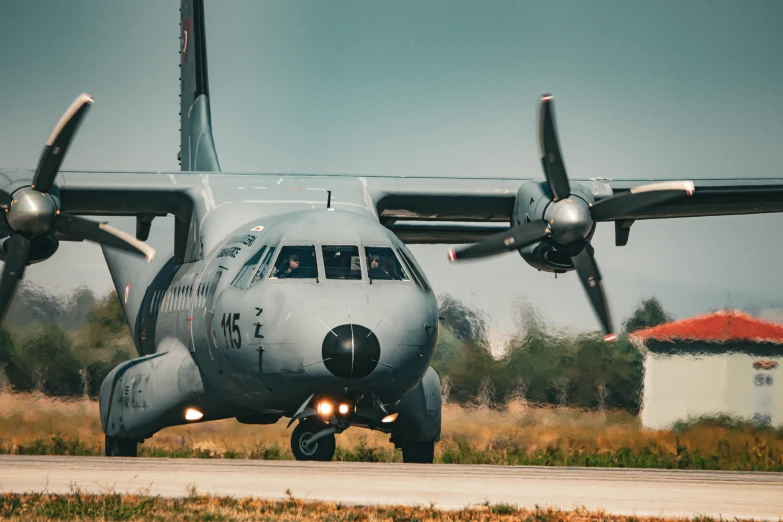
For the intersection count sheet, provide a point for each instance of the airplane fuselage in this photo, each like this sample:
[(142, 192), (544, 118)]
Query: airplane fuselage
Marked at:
[(263, 342)]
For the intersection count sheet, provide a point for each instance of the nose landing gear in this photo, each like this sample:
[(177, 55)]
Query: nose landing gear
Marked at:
[(313, 439)]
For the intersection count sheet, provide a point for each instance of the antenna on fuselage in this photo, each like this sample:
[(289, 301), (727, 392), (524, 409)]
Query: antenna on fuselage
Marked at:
[(328, 199)]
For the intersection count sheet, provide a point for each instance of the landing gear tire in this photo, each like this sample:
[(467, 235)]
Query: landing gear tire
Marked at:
[(115, 447), (419, 452), (321, 450)]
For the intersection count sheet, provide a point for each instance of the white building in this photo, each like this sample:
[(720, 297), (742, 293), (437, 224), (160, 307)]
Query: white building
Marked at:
[(723, 363)]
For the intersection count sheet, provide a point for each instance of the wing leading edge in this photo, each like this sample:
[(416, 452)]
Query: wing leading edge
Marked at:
[(418, 209), (451, 210)]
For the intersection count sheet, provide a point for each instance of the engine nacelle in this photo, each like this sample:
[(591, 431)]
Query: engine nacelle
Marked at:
[(534, 202)]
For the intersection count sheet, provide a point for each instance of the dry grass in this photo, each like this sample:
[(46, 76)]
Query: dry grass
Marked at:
[(79, 506), (518, 434)]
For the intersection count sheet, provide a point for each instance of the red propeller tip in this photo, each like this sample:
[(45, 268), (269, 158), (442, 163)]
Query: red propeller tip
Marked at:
[(452, 255), (546, 97), (610, 338)]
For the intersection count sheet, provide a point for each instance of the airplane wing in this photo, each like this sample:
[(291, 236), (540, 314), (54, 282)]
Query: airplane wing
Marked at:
[(448, 210), (419, 210)]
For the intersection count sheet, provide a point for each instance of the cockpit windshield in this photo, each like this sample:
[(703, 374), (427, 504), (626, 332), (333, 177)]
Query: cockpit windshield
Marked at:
[(295, 262), (262, 268), (382, 264), (244, 274), (342, 262)]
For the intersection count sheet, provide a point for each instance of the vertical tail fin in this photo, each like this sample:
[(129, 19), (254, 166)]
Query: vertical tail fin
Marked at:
[(197, 147)]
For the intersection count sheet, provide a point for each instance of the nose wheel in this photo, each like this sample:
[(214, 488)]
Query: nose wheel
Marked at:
[(320, 450)]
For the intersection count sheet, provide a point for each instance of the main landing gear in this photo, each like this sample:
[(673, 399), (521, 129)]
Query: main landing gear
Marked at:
[(312, 440), (115, 447), (419, 453)]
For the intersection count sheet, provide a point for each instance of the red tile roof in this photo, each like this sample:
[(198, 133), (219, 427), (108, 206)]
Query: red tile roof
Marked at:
[(725, 325)]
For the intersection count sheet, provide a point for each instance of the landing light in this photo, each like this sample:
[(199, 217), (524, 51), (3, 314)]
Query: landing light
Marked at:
[(324, 408), (343, 409), (390, 418), (193, 414)]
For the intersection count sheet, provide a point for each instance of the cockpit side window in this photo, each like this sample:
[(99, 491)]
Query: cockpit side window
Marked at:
[(295, 262), (342, 262), (415, 271), (383, 265), (259, 275), (246, 272)]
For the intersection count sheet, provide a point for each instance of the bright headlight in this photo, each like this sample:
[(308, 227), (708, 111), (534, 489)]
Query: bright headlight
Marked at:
[(343, 409), (192, 414), (324, 408)]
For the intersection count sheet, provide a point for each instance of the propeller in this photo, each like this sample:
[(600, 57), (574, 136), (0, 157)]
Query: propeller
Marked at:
[(511, 239), (32, 212), (568, 222)]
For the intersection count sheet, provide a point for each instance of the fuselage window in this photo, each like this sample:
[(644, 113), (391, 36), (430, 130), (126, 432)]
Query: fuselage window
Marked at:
[(246, 272), (383, 265), (342, 262), (264, 266), (415, 271), (295, 262)]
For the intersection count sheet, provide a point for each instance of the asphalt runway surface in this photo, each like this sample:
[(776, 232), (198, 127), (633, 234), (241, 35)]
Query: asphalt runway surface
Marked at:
[(620, 491)]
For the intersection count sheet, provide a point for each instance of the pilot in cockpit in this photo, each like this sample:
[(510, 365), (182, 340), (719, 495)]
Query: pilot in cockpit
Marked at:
[(289, 269), (377, 269)]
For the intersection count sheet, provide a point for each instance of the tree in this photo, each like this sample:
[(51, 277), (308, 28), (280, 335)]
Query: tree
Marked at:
[(649, 312), (466, 323)]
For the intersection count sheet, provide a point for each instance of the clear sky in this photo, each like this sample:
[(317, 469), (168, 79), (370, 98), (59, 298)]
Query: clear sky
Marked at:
[(643, 90)]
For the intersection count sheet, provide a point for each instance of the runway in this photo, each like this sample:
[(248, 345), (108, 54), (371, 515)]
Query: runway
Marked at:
[(620, 491)]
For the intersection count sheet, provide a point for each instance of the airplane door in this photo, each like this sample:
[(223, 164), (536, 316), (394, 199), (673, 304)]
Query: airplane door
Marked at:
[(210, 334)]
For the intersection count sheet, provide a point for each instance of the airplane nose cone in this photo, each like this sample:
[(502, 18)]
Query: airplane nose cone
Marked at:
[(351, 351)]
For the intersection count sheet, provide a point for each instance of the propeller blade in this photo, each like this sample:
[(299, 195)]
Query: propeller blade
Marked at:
[(639, 198), (587, 269), (511, 239), (58, 143), (551, 160), (15, 261), (103, 234)]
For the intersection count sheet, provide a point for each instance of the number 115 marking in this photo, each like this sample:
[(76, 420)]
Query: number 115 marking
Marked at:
[(230, 327)]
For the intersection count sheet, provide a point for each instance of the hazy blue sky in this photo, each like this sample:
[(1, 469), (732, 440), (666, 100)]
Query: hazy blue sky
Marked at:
[(643, 90)]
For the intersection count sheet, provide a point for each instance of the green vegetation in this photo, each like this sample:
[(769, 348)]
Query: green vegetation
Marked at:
[(62, 347), (195, 507), (541, 365)]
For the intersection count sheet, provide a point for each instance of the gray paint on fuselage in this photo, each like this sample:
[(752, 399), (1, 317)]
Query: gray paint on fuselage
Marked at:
[(296, 314)]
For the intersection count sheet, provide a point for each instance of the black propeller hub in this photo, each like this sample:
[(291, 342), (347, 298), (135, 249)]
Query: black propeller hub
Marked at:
[(31, 212), (569, 220)]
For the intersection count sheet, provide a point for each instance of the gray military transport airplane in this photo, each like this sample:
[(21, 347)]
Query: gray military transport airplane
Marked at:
[(296, 295)]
